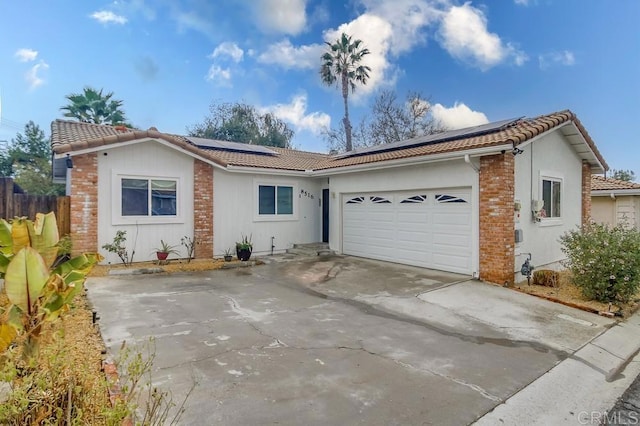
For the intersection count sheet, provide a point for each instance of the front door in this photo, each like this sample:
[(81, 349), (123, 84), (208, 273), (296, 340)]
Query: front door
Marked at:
[(325, 215)]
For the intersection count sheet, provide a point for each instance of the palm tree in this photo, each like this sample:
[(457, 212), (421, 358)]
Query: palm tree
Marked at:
[(341, 63), (91, 106)]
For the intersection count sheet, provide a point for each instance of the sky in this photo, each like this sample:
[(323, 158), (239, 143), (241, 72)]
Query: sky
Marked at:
[(476, 61)]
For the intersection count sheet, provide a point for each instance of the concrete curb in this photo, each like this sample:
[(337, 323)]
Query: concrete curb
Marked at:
[(138, 271), (589, 381)]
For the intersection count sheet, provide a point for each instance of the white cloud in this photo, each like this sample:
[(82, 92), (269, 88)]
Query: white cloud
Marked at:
[(565, 57), (26, 55), (219, 75), (295, 113), (464, 34), (229, 49), (107, 17), (280, 16), (376, 34), (34, 75), (521, 2), (458, 116), (288, 56)]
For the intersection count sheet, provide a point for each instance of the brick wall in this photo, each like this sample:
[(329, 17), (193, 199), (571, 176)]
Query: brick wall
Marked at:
[(203, 209), (586, 192), (84, 203), (497, 240)]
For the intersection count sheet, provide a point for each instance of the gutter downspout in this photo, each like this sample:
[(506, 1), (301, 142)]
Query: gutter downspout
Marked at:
[(467, 159)]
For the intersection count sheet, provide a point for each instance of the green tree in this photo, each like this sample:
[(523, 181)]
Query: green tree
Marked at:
[(91, 106), (341, 65), (28, 161), (239, 122), (626, 175)]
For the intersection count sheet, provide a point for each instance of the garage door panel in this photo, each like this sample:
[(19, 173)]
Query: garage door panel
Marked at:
[(414, 228)]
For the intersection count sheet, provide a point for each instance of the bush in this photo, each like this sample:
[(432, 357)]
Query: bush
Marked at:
[(604, 261)]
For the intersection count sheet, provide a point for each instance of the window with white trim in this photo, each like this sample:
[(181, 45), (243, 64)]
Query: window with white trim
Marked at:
[(148, 197), (552, 197), (275, 200)]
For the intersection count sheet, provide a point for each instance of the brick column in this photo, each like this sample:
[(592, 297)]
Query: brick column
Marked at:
[(203, 209), (497, 240), (84, 203), (586, 192)]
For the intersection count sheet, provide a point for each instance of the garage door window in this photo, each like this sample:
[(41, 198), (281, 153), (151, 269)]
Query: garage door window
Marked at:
[(275, 200), (416, 199), (445, 198)]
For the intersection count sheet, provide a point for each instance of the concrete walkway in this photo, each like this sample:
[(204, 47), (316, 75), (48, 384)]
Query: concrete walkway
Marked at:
[(582, 389)]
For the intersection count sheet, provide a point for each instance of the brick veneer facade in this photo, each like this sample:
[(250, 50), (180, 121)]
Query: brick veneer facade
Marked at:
[(586, 192), (203, 209), (497, 240), (84, 203)]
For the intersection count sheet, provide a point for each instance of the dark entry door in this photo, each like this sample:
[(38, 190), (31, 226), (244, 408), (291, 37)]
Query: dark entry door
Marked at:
[(325, 215)]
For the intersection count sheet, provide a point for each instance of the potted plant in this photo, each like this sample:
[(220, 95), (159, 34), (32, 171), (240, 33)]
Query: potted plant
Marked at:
[(244, 248), (165, 250), (227, 255)]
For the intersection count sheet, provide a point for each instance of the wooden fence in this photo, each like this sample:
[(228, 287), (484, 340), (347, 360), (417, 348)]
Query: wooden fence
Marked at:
[(15, 204)]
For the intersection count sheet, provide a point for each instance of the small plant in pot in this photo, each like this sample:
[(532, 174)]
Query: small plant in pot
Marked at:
[(244, 248), (228, 256), (165, 250)]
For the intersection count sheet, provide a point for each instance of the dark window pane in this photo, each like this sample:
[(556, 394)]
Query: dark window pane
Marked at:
[(556, 199), (163, 197), (546, 196), (266, 199), (285, 200), (135, 197)]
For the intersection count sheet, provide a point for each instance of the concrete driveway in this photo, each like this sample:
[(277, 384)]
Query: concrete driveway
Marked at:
[(338, 340)]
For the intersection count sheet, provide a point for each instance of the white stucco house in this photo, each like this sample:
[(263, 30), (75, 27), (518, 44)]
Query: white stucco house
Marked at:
[(615, 201), (475, 201)]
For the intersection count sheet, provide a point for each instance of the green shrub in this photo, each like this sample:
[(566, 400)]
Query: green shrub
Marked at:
[(604, 261)]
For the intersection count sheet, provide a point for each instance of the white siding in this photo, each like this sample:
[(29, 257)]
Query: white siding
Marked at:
[(549, 155), (146, 159), (235, 212), (442, 175)]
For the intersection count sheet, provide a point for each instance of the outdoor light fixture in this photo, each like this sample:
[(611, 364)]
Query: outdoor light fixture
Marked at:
[(69, 162), (517, 151)]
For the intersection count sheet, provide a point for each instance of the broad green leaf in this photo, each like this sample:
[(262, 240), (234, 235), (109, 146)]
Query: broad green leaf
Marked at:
[(43, 234), (7, 334), (15, 318), (4, 262), (54, 304), (25, 277), (82, 263), (6, 242), (19, 234)]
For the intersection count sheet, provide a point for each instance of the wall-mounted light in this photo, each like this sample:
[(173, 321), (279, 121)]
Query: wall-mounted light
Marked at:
[(517, 151), (69, 162)]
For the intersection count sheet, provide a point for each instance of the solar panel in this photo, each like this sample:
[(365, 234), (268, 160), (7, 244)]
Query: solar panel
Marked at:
[(230, 146), (432, 139)]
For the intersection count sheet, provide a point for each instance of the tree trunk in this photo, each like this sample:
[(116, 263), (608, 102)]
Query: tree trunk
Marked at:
[(347, 123)]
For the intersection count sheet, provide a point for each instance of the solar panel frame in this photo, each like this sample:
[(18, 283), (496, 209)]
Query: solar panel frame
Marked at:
[(432, 139), (230, 146)]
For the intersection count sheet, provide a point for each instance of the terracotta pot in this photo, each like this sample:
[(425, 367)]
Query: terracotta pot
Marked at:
[(162, 255), (228, 258)]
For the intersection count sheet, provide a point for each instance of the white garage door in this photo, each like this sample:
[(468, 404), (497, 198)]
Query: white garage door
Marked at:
[(428, 228)]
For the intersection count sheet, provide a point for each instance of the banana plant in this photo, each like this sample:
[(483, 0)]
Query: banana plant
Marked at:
[(38, 290)]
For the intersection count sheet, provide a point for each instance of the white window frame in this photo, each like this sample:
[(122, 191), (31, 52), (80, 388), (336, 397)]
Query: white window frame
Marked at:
[(552, 177), (257, 217), (116, 203)]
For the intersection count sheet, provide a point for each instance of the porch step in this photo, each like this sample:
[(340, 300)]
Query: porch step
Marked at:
[(311, 249)]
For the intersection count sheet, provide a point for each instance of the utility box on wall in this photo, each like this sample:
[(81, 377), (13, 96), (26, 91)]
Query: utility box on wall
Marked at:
[(519, 236)]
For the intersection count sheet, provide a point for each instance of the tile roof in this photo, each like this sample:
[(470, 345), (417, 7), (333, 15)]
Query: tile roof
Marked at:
[(601, 183), (68, 136)]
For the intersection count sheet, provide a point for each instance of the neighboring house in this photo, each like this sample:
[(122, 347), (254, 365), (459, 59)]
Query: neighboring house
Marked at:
[(615, 201), (451, 201)]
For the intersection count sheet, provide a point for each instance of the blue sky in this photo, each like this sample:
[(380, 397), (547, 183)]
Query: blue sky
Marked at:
[(475, 60)]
